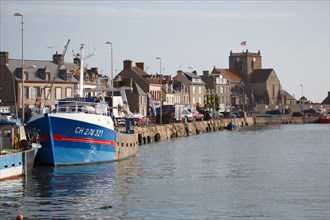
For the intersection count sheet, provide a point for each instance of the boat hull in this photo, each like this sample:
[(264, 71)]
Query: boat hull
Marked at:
[(325, 120), (72, 139), (16, 164)]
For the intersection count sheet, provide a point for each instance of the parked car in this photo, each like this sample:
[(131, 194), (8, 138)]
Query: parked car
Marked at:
[(188, 115), (143, 121), (297, 114), (216, 115), (206, 113), (311, 112), (274, 112), (198, 116)]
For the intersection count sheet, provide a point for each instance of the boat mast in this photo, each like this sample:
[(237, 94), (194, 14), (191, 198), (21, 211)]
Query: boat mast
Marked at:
[(82, 58)]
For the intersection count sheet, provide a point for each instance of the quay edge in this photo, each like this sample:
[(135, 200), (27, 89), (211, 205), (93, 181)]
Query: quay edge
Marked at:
[(155, 133)]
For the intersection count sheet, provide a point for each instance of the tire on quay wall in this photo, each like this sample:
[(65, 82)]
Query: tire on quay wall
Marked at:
[(157, 137), (140, 138)]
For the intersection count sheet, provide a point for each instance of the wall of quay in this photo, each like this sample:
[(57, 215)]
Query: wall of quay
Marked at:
[(285, 120), (154, 133)]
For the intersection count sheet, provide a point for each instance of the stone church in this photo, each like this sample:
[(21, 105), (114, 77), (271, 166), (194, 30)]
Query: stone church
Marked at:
[(261, 86)]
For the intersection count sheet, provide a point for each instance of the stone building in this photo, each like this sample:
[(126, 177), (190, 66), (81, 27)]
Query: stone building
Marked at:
[(193, 86), (227, 84), (45, 81)]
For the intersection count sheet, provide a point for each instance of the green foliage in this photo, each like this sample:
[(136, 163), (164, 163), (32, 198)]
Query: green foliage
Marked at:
[(211, 101)]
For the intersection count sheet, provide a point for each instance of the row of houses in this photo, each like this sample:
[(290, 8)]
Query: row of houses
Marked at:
[(243, 85)]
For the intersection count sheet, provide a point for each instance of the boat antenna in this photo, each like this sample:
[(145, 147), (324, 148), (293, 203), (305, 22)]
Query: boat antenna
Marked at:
[(16, 107), (81, 56)]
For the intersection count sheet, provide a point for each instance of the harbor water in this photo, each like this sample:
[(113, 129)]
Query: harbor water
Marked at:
[(266, 172)]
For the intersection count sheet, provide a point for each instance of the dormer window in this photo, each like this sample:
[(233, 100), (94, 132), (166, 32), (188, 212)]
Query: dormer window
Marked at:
[(26, 76)]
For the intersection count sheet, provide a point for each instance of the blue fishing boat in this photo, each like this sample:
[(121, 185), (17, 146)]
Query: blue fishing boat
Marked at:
[(17, 150), (81, 131)]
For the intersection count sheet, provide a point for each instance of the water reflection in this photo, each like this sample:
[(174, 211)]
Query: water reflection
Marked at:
[(264, 172), (67, 191)]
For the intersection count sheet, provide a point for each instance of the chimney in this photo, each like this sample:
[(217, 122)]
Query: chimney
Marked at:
[(4, 57), (140, 65), (57, 58), (206, 73), (76, 61), (95, 70), (127, 64)]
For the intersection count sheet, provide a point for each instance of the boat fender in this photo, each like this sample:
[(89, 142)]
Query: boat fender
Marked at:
[(24, 144), (187, 130), (140, 138), (157, 137)]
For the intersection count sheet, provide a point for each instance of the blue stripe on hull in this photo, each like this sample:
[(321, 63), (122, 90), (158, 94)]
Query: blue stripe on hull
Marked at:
[(67, 142)]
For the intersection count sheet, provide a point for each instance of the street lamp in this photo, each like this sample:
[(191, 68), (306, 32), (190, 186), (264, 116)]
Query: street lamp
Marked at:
[(21, 15), (160, 95), (108, 42)]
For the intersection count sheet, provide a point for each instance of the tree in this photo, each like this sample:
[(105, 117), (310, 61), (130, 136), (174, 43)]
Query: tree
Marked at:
[(212, 101)]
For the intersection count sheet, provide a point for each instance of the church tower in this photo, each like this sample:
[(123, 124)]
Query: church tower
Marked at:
[(245, 63)]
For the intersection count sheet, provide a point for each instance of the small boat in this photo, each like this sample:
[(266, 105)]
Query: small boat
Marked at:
[(325, 119), (17, 152), (81, 130), (232, 126)]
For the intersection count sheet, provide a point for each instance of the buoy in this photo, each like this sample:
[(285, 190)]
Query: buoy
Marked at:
[(19, 217)]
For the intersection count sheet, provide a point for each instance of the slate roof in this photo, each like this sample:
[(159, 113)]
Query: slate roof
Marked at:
[(36, 70), (190, 76), (260, 75), (326, 101), (138, 89), (288, 95)]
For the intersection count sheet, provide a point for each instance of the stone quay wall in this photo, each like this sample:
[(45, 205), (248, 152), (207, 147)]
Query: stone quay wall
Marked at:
[(285, 120), (155, 133)]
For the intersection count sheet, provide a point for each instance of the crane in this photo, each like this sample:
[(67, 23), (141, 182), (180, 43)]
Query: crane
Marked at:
[(58, 68)]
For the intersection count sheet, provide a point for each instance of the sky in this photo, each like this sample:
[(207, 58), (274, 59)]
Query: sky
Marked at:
[(292, 36)]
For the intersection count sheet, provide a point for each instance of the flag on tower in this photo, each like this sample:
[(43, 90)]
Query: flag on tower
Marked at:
[(243, 43)]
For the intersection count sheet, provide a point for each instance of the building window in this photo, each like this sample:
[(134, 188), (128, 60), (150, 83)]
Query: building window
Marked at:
[(200, 90), (273, 90), (34, 92), (26, 92), (194, 90), (68, 92), (221, 89), (58, 93), (48, 94)]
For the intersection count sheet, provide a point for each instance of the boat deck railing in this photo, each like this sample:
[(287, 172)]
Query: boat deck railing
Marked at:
[(84, 107)]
